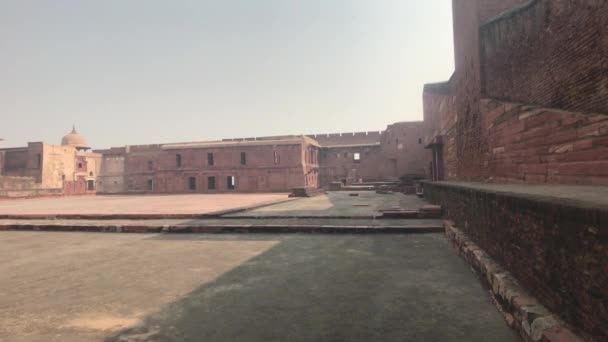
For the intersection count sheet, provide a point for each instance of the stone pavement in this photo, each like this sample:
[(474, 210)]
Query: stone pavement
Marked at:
[(337, 204), (576, 195), (231, 225), (129, 287), (170, 205)]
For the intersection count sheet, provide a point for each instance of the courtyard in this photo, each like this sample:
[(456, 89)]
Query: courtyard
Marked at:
[(166, 287), (194, 204)]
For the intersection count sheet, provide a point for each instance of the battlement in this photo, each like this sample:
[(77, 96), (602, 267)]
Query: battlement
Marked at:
[(351, 138)]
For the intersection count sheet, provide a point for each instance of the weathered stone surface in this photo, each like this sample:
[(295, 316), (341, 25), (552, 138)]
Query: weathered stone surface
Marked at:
[(550, 241), (521, 311)]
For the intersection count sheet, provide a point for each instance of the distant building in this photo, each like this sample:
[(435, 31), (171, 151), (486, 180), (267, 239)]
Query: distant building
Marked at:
[(263, 164), (42, 169)]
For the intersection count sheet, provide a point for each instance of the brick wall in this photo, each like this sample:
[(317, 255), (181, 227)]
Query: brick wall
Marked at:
[(549, 53), (337, 164), (403, 144), (75, 187), (524, 143), (441, 118), (539, 145), (527, 48), (557, 251), (468, 16)]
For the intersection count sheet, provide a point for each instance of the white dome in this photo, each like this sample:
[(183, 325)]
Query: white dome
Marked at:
[(74, 139)]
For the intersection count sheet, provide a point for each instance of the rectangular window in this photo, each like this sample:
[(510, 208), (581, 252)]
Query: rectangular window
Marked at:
[(243, 158), (210, 160), (38, 161), (192, 183), (90, 185), (150, 185), (357, 157), (211, 183), (178, 160), (277, 158), (230, 182), (150, 165), (345, 154)]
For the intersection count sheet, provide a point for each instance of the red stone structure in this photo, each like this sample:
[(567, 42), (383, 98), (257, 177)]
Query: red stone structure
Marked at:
[(528, 103), (395, 152), (261, 165), (266, 164), (40, 169), (529, 96)]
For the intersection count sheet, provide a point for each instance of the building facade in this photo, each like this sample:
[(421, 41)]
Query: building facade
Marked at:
[(236, 165), (264, 164), (43, 169)]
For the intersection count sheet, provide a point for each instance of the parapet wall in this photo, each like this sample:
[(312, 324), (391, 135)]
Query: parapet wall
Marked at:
[(557, 249), (549, 53), (19, 187), (353, 138)]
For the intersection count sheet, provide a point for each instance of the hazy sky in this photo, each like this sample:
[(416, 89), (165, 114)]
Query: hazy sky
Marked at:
[(150, 71)]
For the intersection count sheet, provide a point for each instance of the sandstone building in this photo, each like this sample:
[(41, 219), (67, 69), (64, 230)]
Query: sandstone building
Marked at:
[(262, 164), (42, 169)]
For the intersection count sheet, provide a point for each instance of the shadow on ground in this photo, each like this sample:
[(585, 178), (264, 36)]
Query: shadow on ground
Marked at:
[(334, 288), (336, 204)]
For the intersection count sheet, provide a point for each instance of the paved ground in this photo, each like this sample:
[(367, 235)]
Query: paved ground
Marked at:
[(592, 196), (127, 287), (340, 203), (231, 221), (149, 204)]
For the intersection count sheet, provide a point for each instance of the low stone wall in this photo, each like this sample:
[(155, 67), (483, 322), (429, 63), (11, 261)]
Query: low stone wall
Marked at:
[(521, 311), (22, 187), (556, 249)]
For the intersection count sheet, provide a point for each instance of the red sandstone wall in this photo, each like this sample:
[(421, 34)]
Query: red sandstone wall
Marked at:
[(440, 116), (339, 139), (403, 145), (310, 155), (337, 164), (551, 53), (298, 167), (468, 16), (538, 145), (77, 187), (398, 151), (526, 143)]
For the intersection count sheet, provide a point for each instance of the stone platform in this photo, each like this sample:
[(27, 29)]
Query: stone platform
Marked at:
[(552, 239)]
